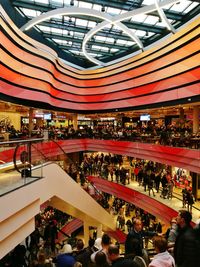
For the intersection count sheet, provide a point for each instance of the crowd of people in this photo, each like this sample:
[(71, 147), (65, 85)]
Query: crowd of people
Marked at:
[(178, 247), (170, 135), (152, 176)]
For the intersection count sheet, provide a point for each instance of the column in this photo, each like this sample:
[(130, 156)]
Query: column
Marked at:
[(196, 113), (86, 233), (181, 115), (75, 121), (30, 126), (99, 230)]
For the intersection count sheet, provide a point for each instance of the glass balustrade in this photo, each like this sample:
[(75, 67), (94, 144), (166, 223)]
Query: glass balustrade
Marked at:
[(21, 163)]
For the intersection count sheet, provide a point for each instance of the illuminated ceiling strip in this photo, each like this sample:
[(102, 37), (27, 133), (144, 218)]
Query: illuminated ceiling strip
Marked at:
[(82, 11), (108, 19), (65, 11), (164, 18), (116, 20), (95, 30)]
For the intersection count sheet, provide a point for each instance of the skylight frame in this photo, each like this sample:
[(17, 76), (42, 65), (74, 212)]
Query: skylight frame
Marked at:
[(109, 29)]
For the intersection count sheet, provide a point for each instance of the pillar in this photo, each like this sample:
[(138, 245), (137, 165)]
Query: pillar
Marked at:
[(86, 233), (99, 230), (181, 116), (30, 126), (196, 113), (75, 121)]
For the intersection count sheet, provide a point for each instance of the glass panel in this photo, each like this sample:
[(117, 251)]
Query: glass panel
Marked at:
[(17, 161)]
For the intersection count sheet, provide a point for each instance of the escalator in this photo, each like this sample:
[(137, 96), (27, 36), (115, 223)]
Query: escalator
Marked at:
[(19, 207)]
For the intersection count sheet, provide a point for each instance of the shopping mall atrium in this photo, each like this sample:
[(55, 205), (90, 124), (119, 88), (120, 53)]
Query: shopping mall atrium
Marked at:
[(80, 79)]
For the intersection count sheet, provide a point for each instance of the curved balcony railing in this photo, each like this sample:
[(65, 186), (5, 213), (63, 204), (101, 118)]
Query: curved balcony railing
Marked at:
[(25, 154)]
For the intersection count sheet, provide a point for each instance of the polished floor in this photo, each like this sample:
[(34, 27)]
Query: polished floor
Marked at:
[(174, 203)]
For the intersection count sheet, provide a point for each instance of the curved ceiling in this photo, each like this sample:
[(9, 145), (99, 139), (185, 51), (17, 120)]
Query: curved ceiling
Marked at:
[(32, 74), (103, 31)]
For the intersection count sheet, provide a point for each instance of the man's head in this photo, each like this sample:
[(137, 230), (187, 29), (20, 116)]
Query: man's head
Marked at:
[(113, 252), (137, 225), (100, 258), (184, 218), (105, 240)]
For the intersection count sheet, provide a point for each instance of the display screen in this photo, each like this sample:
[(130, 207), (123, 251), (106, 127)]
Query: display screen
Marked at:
[(145, 117), (47, 116)]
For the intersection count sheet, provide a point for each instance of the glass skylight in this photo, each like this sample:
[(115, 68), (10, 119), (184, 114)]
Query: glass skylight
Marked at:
[(121, 42), (151, 20), (140, 33), (129, 43), (180, 7), (78, 34), (97, 7), (81, 22), (148, 2), (104, 49), (189, 8), (91, 24), (113, 50), (60, 41), (30, 13), (139, 18), (85, 4), (42, 1), (100, 38), (96, 47), (110, 40), (74, 27), (44, 28), (112, 10)]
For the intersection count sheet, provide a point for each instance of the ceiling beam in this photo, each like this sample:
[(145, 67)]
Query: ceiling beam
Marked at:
[(79, 41), (45, 8)]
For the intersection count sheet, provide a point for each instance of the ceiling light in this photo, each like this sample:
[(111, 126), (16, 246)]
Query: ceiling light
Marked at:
[(103, 9)]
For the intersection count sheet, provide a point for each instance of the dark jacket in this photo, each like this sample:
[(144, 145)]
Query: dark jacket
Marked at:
[(122, 262), (134, 242), (185, 249)]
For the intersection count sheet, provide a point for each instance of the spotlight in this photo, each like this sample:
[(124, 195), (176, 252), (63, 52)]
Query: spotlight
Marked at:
[(147, 34), (72, 3), (103, 9)]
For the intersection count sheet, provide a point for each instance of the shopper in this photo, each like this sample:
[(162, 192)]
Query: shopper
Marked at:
[(162, 258)]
